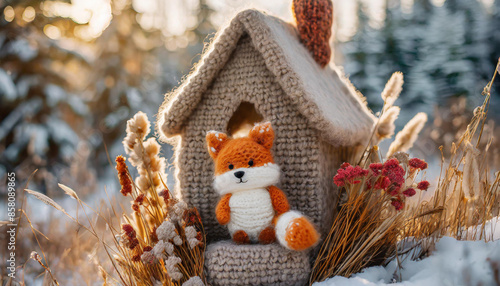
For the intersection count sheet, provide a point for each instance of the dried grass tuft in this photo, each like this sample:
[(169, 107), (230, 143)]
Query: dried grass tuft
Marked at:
[(160, 240), (392, 90), (366, 231), (405, 138)]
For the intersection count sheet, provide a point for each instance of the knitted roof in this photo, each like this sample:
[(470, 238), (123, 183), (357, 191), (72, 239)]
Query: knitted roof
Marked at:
[(322, 95)]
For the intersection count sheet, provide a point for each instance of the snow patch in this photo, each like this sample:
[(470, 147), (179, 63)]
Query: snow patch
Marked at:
[(452, 263)]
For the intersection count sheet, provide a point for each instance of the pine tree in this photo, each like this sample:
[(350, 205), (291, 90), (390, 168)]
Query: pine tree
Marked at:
[(42, 119), (441, 50), (494, 54), (442, 70), (125, 77), (362, 59)]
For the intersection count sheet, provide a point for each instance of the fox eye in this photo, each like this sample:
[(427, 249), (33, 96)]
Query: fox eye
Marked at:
[(250, 163), (231, 166)]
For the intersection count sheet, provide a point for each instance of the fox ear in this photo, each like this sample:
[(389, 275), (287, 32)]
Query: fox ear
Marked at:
[(263, 134), (215, 141)]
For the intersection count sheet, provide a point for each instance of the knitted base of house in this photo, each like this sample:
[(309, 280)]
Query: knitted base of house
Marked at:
[(230, 264)]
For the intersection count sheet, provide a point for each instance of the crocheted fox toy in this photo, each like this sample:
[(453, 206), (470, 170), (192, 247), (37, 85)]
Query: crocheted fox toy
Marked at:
[(252, 207)]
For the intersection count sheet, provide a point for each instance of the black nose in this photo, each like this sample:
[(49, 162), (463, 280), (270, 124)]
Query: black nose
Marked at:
[(239, 174)]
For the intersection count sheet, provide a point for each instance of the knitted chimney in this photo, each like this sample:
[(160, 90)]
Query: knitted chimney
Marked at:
[(314, 20)]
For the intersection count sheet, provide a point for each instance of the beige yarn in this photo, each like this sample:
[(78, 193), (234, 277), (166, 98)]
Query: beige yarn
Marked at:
[(259, 59), (229, 264), (318, 120), (323, 96)]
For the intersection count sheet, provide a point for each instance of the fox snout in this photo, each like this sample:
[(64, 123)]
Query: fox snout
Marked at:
[(239, 174)]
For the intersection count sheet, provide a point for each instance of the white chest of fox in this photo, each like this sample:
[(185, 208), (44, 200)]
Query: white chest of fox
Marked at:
[(251, 211)]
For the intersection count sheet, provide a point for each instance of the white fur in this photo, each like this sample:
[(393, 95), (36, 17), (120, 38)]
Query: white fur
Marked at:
[(282, 225), (254, 178), (251, 211)]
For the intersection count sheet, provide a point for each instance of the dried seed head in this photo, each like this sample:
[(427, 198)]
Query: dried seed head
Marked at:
[(402, 157), (194, 281), (405, 138), (386, 125), (35, 256), (171, 267), (135, 207), (129, 231), (136, 258), (165, 231), (471, 177), (190, 232), (140, 199), (148, 257), (392, 89), (123, 176)]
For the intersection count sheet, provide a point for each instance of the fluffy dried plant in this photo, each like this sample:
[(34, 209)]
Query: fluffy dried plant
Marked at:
[(162, 240), (405, 138), (392, 90), (384, 128)]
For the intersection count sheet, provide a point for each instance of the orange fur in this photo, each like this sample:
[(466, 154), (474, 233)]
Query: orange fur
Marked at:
[(279, 200), (222, 211), (267, 236), (255, 151), (301, 234), (238, 152), (216, 142), (263, 134), (241, 237)]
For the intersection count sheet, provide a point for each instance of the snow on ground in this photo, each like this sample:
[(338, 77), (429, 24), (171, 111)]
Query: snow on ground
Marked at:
[(452, 263)]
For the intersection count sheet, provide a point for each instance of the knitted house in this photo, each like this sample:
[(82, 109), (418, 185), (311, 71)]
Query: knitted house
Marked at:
[(256, 70)]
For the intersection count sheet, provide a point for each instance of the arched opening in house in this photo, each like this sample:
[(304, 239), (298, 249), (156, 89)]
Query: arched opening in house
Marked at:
[(243, 119)]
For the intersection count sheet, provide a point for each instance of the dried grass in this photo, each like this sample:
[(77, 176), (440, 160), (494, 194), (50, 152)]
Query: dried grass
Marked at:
[(367, 231), (139, 253)]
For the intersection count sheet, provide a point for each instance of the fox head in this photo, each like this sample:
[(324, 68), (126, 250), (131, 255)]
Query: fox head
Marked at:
[(243, 163)]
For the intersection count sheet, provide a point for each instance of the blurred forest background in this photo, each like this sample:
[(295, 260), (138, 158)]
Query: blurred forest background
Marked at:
[(73, 72)]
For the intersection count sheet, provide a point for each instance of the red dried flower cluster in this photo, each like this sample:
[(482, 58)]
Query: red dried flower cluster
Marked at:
[(153, 235), (147, 248), (424, 185), (395, 173), (122, 169), (135, 207), (376, 168), (417, 163), (349, 174), (133, 243), (130, 236), (191, 217), (165, 194), (388, 176), (136, 258), (398, 204), (410, 192), (129, 230), (140, 199)]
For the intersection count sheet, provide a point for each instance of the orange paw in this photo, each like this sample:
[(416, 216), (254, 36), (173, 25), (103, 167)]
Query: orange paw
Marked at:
[(301, 234), (267, 236), (241, 237)]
